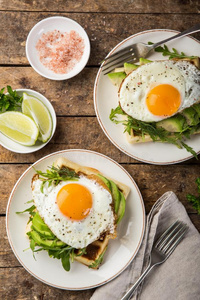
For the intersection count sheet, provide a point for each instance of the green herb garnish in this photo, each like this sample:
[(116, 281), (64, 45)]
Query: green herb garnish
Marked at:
[(195, 200), (55, 175), (141, 129), (11, 101), (98, 261), (172, 54)]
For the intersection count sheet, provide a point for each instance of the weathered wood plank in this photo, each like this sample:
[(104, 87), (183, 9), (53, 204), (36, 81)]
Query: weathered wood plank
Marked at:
[(17, 283), (127, 6), (74, 133), (152, 181), (104, 30), (69, 97)]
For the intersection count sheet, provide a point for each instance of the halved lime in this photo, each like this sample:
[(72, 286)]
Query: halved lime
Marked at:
[(19, 127), (34, 108)]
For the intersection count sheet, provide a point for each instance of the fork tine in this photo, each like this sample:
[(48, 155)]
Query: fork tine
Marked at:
[(165, 233), (116, 66), (170, 236), (179, 234), (118, 53), (117, 62), (169, 252), (110, 59)]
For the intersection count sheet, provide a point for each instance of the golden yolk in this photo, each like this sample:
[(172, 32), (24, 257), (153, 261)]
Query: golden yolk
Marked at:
[(163, 100), (74, 201)]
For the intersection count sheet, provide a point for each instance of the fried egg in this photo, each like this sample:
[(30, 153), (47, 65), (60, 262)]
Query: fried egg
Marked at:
[(77, 212), (160, 89)]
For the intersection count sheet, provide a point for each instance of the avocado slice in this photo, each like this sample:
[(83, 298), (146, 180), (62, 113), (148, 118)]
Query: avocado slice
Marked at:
[(39, 226), (117, 77), (144, 61), (191, 116), (197, 108), (122, 207), (44, 242), (116, 195), (176, 123), (128, 68), (106, 181)]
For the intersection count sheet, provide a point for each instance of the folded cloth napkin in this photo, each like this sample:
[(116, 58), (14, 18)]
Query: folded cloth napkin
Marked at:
[(178, 277)]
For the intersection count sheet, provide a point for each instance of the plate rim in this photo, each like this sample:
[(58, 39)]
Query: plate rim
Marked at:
[(97, 113), (143, 221)]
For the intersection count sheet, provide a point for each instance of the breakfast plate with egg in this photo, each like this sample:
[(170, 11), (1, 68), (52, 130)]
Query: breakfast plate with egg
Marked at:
[(150, 111), (75, 219)]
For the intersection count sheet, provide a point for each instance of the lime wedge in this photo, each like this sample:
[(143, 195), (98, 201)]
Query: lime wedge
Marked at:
[(34, 108), (19, 127)]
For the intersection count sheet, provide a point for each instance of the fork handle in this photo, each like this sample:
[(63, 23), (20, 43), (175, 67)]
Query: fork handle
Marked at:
[(186, 32), (130, 292)]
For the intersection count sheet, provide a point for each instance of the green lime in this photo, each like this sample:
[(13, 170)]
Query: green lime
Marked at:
[(34, 108), (19, 127)]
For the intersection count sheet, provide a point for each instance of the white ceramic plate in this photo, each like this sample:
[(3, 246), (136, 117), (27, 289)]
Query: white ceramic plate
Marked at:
[(15, 147), (105, 98), (49, 24), (120, 251)]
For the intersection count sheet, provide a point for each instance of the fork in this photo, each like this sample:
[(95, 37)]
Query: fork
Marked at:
[(133, 52), (162, 249)]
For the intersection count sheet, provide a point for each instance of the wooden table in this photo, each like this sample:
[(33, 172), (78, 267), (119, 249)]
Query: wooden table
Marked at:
[(107, 22)]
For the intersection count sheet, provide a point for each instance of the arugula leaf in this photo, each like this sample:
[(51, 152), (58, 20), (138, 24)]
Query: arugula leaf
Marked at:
[(156, 133), (172, 54), (11, 101), (98, 261), (30, 210), (195, 200), (55, 175)]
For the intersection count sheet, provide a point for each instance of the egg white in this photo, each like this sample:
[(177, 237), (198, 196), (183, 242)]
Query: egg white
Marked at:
[(182, 75), (77, 234)]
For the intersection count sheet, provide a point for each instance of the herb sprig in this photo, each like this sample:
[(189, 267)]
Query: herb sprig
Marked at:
[(149, 128), (172, 54), (195, 200), (54, 175), (11, 101)]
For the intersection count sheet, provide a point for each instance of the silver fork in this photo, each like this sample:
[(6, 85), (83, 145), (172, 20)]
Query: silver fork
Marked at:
[(162, 249), (134, 52)]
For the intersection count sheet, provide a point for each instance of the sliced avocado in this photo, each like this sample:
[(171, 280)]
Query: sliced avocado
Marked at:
[(121, 209), (116, 70), (176, 123), (116, 195), (39, 225), (128, 68), (144, 61), (44, 242), (106, 181), (116, 78), (197, 108), (191, 116)]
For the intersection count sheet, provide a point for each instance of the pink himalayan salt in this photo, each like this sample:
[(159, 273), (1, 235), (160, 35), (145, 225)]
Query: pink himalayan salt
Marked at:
[(60, 51)]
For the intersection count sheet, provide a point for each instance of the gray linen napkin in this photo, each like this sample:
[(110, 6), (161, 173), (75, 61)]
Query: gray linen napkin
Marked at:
[(175, 279)]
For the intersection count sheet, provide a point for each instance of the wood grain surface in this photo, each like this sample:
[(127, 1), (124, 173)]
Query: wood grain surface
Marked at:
[(107, 23)]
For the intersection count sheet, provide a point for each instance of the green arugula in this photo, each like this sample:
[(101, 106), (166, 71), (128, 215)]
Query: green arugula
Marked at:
[(98, 261), (195, 200), (54, 175), (172, 54), (10, 101), (149, 128)]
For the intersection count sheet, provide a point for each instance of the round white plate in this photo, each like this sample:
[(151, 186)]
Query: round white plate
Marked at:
[(120, 251), (49, 24), (105, 98), (18, 148)]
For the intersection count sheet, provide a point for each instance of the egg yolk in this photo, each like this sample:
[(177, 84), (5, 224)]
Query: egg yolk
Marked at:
[(74, 201), (163, 100)]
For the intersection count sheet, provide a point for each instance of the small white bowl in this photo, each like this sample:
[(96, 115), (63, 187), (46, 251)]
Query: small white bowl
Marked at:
[(18, 148), (64, 25)]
